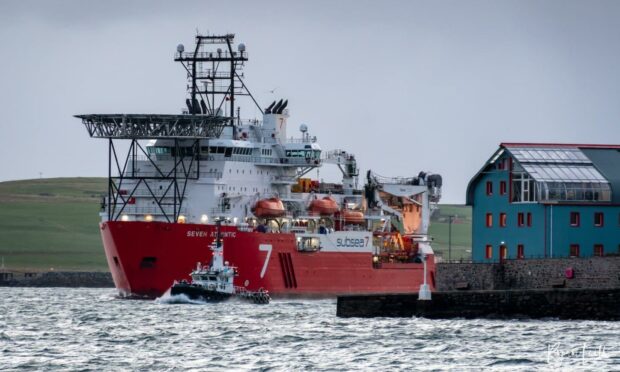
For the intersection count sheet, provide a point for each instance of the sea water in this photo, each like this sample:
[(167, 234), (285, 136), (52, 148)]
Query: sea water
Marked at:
[(93, 329)]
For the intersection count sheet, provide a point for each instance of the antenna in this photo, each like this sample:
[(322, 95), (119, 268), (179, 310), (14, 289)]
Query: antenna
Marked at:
[(214, 74)]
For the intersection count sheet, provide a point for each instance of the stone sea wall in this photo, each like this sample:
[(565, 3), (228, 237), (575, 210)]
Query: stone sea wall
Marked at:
[(592, 273), (594, 304), (57, 279)]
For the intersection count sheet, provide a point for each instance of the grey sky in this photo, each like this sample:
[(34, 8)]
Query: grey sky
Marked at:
[(405, 85)]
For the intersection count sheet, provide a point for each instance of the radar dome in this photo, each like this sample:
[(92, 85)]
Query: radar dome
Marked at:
[(180, 48), (303, 128), (241, 47)]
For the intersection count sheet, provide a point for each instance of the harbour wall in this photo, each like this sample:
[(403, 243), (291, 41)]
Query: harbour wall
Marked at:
[(56, 279), (592, 273), (565, 303)]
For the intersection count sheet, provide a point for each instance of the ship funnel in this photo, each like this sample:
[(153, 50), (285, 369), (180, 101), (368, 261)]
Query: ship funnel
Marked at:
[(189, 106), (274, 121), (275, 109), (268, 109), (282, 107), (204, 106)]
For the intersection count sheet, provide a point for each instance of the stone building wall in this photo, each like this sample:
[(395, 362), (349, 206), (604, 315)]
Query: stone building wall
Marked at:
[(592, 272)]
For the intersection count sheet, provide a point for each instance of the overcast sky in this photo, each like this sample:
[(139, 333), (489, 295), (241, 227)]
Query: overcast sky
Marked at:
[(405, 85)]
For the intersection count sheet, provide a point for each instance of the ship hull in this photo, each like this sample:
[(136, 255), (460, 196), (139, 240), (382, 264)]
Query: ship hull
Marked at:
[(145, 258)]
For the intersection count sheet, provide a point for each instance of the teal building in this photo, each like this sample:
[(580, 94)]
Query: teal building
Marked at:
[(546, 201)]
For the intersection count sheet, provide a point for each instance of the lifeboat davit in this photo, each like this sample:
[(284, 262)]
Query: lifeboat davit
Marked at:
[(271, 207), (324, 207), (353, 217)]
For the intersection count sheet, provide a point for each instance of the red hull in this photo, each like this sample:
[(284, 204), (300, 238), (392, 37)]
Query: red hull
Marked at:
[(146, 257)]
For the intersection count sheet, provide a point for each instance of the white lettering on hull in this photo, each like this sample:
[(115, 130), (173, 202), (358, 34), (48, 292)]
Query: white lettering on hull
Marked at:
[(265, 248), (212, 234)]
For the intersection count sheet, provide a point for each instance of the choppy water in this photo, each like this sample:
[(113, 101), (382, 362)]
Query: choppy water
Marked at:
[(90, 329)]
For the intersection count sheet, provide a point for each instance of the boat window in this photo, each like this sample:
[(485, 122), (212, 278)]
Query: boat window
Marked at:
[(159, 150), (295, 153), (228, 152), (308, 244)]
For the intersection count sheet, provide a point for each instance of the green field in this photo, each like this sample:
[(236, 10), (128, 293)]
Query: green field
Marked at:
[(461, 231), (53, 223)]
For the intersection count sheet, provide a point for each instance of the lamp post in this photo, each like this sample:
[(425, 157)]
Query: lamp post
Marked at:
[(450, 219), (424, 293)]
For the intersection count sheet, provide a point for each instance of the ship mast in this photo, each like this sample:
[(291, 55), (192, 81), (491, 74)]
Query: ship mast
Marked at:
[(214, 78)]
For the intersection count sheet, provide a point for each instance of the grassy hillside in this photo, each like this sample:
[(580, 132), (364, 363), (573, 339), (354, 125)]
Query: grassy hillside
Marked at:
[(53, 223)]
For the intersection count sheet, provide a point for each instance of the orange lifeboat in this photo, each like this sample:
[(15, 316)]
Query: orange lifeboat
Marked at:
[(353, 217), (271, 207), (324, 207)]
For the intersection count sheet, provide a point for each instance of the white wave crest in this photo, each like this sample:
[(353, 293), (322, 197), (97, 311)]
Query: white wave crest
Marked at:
[(182, 298)]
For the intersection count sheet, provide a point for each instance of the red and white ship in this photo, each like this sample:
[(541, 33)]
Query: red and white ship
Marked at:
[(286, 232)]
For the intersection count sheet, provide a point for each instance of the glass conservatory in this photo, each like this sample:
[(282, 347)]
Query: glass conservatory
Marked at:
[(556, 175)]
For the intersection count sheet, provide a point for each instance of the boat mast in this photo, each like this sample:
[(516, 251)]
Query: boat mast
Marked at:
[(214, 75)]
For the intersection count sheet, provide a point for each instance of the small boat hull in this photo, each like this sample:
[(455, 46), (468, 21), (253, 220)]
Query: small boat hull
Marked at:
[(198, 293)]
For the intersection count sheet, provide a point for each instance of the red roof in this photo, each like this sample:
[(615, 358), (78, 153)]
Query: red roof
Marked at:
[(559, 145)]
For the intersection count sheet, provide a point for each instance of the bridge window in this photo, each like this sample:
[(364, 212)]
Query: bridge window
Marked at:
[(159, 150)]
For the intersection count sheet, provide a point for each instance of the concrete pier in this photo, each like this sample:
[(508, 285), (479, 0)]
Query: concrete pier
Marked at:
[(592, 304)]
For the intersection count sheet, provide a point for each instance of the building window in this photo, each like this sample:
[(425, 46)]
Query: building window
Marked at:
[(489, 220), (529, 219), (488, 252), (502, 188), (489, 188), (598, 219), (520, 219), (523, 188), (574, 218), (520, 251), (502, 219), (574, 250), (503, 252), (598, 250)]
